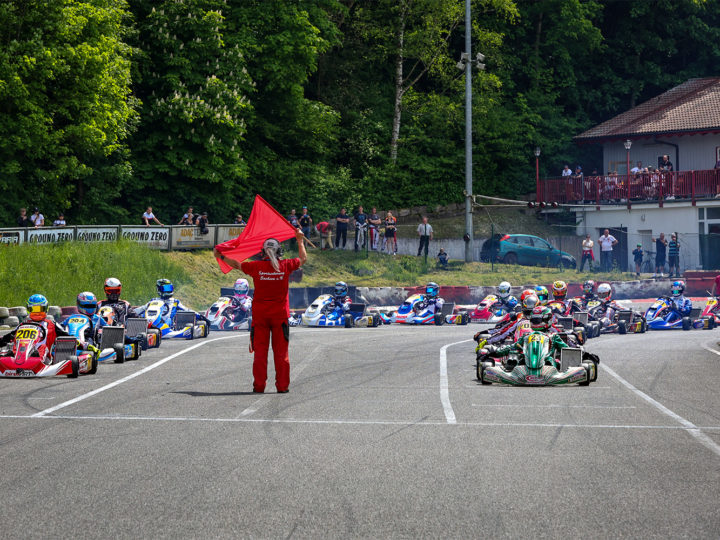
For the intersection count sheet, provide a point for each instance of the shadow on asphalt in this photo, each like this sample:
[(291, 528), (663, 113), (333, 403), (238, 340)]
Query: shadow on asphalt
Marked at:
[(206, 394)]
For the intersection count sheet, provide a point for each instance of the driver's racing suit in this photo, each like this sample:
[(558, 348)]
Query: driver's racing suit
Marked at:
[(681, 304), (172, 306), (241, 307), (556, 344), (435, 304), (120, 307), (339, 301)]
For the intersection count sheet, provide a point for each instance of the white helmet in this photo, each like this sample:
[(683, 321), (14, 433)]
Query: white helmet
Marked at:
[(604, 291), (503, 290), (242, 288)]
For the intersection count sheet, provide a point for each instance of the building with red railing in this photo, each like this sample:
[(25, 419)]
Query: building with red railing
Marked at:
[(636, 194)]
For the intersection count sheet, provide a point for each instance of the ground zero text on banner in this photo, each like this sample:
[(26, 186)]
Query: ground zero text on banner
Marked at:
[(49, 237), (150, 236)]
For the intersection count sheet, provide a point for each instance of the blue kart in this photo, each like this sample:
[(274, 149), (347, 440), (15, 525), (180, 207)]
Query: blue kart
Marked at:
[(663, 315), (322, 313)]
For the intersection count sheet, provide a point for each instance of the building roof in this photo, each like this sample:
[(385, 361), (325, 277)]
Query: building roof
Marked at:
[(692, 107)]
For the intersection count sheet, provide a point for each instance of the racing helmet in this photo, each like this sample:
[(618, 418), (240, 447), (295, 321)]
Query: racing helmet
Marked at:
[(604, 292), (165, 288), (542, 293), (677, 288), (113, 288), (241, 287), (503, 290), (540, 318), (526, 293), (341, 289), (273, 245), (37, 306), (588, 287), (86, 303), (529, 303), (432, 290), (107, 315), (559, 290)]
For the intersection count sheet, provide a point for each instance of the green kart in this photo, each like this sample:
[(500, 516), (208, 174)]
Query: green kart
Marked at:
[(537, 359)]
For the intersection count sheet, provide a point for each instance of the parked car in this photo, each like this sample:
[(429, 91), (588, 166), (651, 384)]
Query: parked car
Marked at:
[(525, 249)]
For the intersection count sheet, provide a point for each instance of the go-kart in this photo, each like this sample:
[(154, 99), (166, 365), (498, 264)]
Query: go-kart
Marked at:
[(320, 313), (710, 316), (586, 315), (489, 310), (535, 365), (31, 357), (415, 310), (175, 324), (107, 346), (662, 315), (222, 316)]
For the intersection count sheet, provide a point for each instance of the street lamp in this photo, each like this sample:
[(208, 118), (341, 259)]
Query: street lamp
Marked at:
[(537, 173)]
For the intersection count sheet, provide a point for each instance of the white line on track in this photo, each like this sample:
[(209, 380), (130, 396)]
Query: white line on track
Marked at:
[(554, 406), (691, 428), (131, 376), (444, 392), (711, 350)]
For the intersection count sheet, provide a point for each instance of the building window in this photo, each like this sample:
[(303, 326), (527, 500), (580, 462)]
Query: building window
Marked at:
[(701, 213), (713, 213)]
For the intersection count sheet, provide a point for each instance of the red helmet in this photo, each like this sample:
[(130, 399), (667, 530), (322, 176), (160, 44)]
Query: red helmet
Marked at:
[(113, 288), (526, 293)]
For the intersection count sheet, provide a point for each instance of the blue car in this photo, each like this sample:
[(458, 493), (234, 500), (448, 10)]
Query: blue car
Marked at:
[(527, 250)]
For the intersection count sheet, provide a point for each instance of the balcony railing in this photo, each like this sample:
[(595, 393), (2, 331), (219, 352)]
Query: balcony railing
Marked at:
[(614, 189)]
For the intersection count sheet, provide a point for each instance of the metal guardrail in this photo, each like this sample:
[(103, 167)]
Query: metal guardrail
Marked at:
[(175, 237)]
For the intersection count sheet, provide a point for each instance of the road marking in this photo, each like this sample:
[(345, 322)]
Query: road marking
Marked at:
[(555, 406), (332, 421), (691, 428), (711, 350), (131, 376), (444, 393)]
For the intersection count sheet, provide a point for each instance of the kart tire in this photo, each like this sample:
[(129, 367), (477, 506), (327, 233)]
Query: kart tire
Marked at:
[(482, 376), (478, 369), (348, 320), (622, 328), (711, 323), (596, 328), (158, 336), (12, 320), (119, 349), (138, 352), (587, 371), (18, 311), (376, 321), (4, 312), (75, 365), (143, 342), (205, 327), (643, 327), (686, 323), (438, 319), (464, 318), (94, 361)]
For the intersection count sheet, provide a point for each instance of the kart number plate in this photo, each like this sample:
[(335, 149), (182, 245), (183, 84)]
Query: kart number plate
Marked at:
[(76, 320), (26, 333), (536, 337)]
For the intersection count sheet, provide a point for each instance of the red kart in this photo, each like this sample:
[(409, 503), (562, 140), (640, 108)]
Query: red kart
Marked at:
[(31, 356)]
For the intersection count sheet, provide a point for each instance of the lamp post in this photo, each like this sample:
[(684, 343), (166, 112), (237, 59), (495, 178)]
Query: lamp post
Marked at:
[(537, 174), (627, 144)]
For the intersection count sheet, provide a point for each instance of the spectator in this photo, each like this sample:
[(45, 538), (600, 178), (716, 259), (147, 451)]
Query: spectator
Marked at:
[(23, 220), (638, 257), (587, 253), (566, 171), (324, 229), (240, 221), (37, 219), (665, 164), (293, 219), (360, 221), (188, 217), (637, 168), (305, 222), (674, 255), (425, 232), (148, 216), (391, 232), (60, 221), (341, 220), (202, 222), (374, 228), (442, 258), (607, 242), (660, 251)]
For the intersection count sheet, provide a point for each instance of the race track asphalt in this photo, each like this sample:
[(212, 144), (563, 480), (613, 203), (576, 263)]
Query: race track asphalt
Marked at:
[(364, 444)]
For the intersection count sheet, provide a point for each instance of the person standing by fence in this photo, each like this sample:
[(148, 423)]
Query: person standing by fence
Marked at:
[(587, 253), (607, 242), (425, 232), (660, 252), (341, 227), (674, 255), (391, 232)]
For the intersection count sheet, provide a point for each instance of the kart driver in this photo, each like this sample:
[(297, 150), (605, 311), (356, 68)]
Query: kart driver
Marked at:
[(165, 291), (506, 299), (113, 288), (241, 300), (87, 305), (340, 298), (542, 293), (607, 315), (37, 306), (432, 301), (559, 302), (504, 329), (678, 301)]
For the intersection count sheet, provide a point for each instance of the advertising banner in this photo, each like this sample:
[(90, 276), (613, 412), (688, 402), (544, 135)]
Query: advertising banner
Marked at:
[(96, 234), (227, 232), (156, 237), (9, 236), (192, 238), (46, 235)]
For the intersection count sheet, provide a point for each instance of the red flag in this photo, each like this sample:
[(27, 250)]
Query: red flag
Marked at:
[(264, 222)]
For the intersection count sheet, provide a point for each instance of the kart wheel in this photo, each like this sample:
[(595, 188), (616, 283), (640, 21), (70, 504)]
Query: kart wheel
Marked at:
[(137, 351), (94, 361), (580, 335), (643, 327), (478, 369), (205, 329), (75, 364), (482, 375), (711, 323), (588, 371), (158, 336), (143, 342), (438, 319), (119, 349), (464, 318), (596, 329), (686, 323), (348, 320), (376, 321), (622, 328)]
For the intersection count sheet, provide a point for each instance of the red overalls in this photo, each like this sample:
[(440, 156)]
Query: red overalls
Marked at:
[(270, 312)]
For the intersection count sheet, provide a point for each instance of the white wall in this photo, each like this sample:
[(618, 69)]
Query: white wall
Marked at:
[(696, 152)]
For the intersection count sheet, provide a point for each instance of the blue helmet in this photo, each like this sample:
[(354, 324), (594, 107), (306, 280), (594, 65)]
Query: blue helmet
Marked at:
[(432, 290), (86, 303), (677, 288), (341, 289), (37, 306), (165, 288)]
